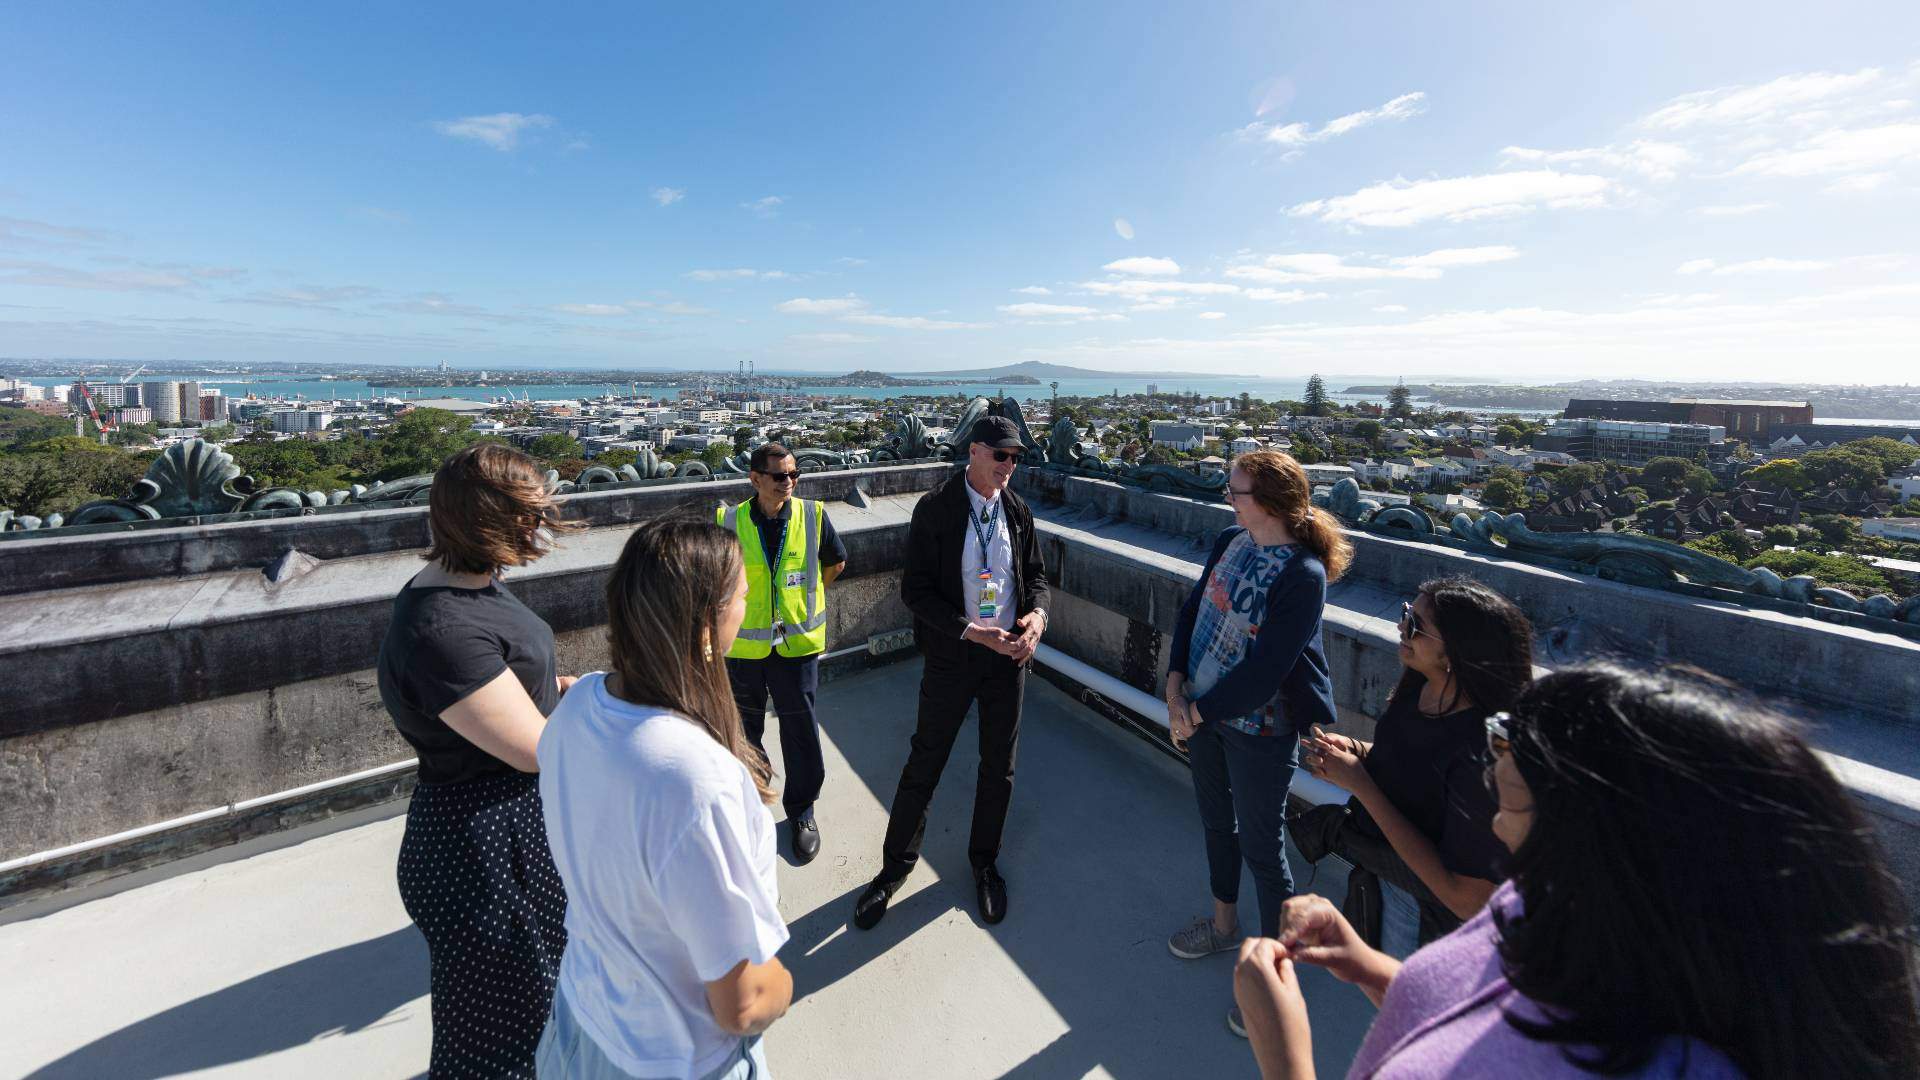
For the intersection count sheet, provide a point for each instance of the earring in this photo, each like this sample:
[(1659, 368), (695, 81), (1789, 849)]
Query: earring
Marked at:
[(706, 648)]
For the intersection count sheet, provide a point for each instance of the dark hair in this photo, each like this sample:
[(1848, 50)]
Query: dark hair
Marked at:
[(1487, 640), (486, 509), (1693, 869), (767, 452), (1280, 487), (668, 588)]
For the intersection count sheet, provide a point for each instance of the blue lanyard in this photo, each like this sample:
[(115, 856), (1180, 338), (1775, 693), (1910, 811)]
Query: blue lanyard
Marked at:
[(774, 561), (986, 535)]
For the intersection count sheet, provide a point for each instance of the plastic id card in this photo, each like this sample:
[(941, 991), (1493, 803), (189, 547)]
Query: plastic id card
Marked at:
[(990, 600), (796, 578)]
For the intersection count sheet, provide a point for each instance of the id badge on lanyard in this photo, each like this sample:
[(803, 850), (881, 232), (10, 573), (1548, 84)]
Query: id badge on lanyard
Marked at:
[(989, 595), (989, 608)]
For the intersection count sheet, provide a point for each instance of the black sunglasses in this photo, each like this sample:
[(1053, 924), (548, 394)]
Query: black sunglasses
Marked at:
[(1410, 627), (1004, 456), (1499, 745), (781, 477)]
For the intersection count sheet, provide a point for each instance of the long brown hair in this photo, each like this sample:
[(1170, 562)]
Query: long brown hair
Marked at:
[(489, 508), (1281, 488), (674, 578)]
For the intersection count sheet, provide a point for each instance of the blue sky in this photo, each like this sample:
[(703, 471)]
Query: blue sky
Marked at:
[(1544, 191)]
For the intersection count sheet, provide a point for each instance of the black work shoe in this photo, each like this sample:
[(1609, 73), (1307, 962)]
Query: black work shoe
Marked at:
[(993, 893), (872, 904), (806, 836)]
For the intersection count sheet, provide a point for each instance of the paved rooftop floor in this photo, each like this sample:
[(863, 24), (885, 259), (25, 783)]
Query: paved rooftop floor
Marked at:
[(299, 962)]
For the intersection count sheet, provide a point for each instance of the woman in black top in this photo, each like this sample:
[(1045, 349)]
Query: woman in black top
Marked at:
[(1419, 790), (467, 672)]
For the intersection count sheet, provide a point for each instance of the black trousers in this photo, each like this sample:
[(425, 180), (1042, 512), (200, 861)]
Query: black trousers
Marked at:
[(949, 686), (792, 682)]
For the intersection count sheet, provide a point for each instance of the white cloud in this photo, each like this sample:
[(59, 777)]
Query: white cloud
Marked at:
[(1737, 210), (831, 337), (910, 322), (501, 131), (1029, 311), (1035, 290), (23, 233), (1842, 151), (163, 278), (842, 305), (1299, 134), (1655, 160), (1134, 289), (1283, 296), (1859, 185), (1320, 266), (739, 274), (1398, 203), (1391, 309), (1211, 315), (1123, 227), (766, 207), (667, 196), (591, 309), (306, 297), (631, 307), (1142, 264), (1752, 266), (1737, 105)]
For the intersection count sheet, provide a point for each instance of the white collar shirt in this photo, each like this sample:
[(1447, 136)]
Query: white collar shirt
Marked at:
[(999, 560)]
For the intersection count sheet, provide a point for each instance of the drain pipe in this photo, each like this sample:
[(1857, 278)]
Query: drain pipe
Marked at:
[(1134, 700)]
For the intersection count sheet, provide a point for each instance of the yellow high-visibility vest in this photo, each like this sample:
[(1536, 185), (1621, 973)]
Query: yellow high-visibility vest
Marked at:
[(786, 602)]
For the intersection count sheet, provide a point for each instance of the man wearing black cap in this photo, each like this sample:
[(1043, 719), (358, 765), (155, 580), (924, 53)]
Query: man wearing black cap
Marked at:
[(978, 592)]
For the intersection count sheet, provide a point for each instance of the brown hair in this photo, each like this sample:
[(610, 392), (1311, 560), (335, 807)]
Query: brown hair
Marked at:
[(674, 578), (1280, 487), (486, 509)]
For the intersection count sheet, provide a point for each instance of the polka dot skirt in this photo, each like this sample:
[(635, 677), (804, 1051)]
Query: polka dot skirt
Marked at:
[(477, 879)]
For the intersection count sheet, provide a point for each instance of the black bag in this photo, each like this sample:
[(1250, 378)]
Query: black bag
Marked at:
[(1346, 831)]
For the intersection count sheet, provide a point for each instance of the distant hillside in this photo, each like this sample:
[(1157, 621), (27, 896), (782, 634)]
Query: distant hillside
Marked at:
[(1036, 370)]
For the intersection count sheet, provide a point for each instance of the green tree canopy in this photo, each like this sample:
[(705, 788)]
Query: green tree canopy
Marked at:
[(1843, 466), (1316, 401), (1785, 473)]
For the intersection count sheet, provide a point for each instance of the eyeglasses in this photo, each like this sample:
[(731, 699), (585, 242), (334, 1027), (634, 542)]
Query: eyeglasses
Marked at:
[(1498, 744), (781, 477), (1235, 493), (1004, 456), (1410, 627)]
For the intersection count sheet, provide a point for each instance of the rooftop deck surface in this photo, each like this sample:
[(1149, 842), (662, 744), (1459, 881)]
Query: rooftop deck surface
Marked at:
[(300, 962)]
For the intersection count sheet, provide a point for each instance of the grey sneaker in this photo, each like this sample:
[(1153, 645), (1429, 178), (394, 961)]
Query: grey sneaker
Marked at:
[(1201, 939), (1236, 1023)]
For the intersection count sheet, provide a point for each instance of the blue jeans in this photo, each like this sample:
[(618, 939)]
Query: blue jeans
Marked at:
[(568, 1053), (1240, 782), (1399, 921)]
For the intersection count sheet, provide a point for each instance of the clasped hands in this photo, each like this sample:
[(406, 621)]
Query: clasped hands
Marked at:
[(1015, 646), (1267, 989), (1183, 719), (1333, 758)]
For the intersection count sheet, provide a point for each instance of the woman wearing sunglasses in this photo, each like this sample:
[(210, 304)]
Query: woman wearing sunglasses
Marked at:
[(1421, 837), (1693, 894), (1247, 677)]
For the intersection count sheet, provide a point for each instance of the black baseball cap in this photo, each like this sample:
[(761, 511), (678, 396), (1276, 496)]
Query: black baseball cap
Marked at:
[(997, 432)]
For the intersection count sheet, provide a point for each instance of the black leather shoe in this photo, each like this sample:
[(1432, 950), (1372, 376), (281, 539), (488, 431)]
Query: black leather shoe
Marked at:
[(806, 836), (993, 893), (872, 904)]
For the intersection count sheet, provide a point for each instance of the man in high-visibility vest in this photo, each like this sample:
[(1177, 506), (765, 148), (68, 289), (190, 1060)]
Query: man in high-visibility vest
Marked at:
[(791, 554)]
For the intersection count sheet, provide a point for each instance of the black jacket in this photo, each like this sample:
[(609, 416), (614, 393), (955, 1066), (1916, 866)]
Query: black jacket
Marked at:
[(930, 585)]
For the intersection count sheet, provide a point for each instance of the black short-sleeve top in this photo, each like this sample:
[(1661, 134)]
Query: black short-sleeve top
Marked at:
[(1433, 770), (442, 645)]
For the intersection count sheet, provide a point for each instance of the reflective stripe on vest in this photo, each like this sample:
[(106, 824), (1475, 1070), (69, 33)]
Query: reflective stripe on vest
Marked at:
[(801, 608)]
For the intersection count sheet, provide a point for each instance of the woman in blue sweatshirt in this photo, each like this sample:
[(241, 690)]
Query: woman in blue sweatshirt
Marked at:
[(1247, 678)]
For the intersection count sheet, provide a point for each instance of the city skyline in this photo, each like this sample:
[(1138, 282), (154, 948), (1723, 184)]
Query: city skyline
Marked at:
[(1633, 192)]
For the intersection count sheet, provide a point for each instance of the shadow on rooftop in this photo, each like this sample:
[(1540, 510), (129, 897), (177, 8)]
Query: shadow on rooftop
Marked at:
[(347, 990), (1103, 856)]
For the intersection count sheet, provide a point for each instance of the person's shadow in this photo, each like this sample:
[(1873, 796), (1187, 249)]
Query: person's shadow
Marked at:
[(347, 990)]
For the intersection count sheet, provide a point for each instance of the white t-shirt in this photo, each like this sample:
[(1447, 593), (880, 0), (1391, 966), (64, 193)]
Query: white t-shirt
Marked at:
[(999, 551), (668, 857)]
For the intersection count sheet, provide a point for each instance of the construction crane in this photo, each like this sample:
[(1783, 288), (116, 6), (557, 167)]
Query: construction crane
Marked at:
[(128, 377), (93, 410)]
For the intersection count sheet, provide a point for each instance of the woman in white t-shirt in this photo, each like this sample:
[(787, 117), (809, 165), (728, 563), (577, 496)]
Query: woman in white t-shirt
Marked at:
[(656, 811)]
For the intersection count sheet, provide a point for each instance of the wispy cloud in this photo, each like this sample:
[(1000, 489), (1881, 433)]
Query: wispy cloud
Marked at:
[(434, 303), (738, 274), (1391, 309), (667, 196), (25, 233), (1400, 203), (911, 322), (1283, 296), (1753, 266), (307, 297), (1123, 227), (1059, 313), (631, 307), (766, 207), (1211, 315), (1317, 266), (1035, 290), (1832, 153), (1133, 288), (1654, 160), (1737, 105), (1300, 134), (161, 278), (1737, 209), (502, 131), (802, 305), (830, 337), (1142, 264)]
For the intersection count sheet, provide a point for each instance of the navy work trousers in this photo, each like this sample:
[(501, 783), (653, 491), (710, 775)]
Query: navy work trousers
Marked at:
[(793, 682)]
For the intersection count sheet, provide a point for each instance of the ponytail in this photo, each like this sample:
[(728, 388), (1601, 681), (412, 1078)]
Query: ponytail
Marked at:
[(1322, 535)]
